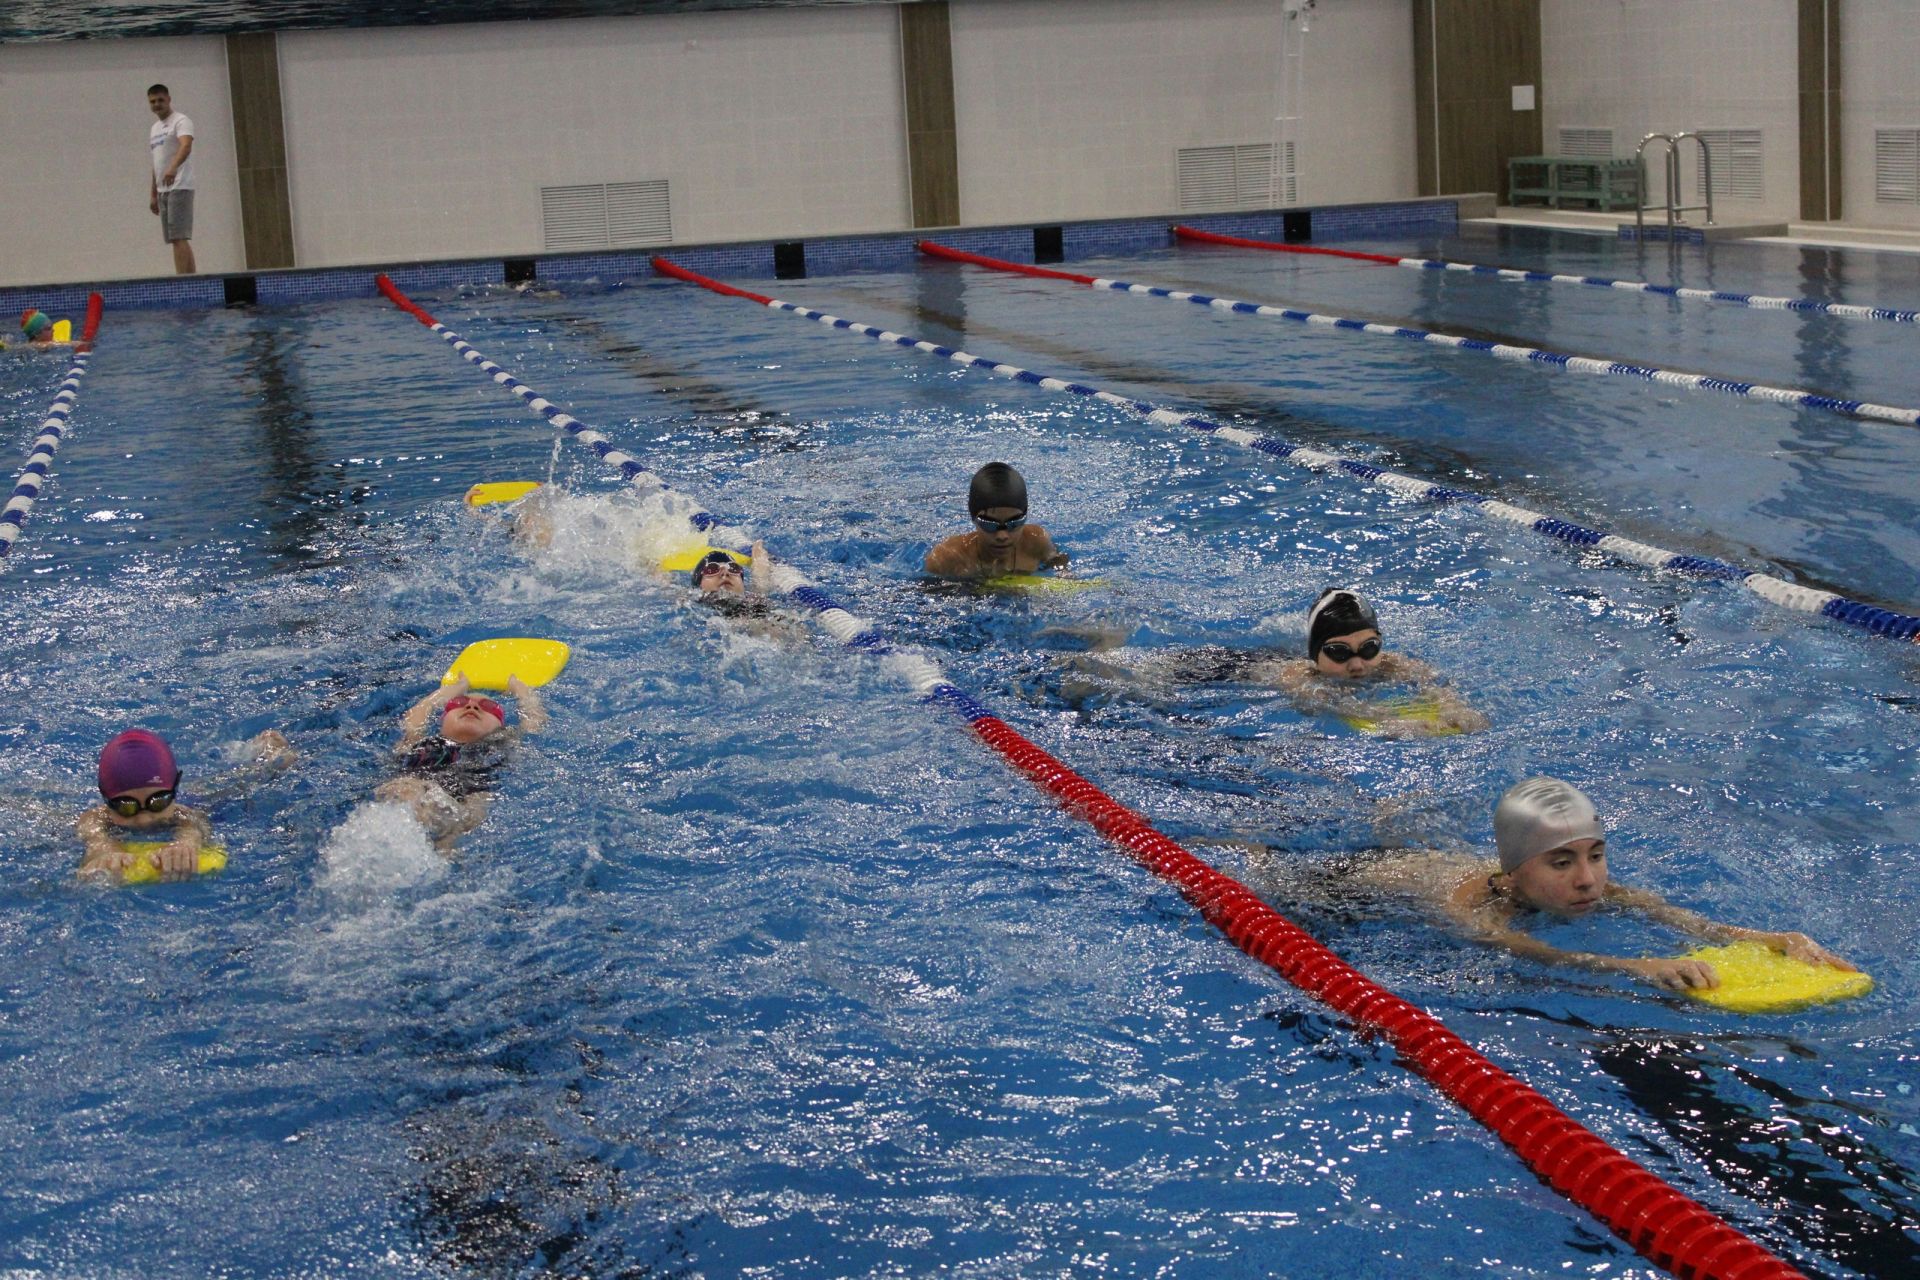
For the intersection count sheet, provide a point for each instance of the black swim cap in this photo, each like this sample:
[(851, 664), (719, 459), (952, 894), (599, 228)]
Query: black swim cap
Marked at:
[(1338, 612), (996, 485), (715, 556)]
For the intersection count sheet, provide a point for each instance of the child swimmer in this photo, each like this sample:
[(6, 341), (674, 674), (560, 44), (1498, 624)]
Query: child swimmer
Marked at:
[(446, 779), (139, 782), (1002, 542)]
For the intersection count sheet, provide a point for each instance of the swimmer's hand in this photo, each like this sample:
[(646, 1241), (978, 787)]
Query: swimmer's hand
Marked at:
[(179, 859), (1673, 975), (113, 862), (269, 748), (1058, 560), (515, 686), (1798, 946), (459, 688)]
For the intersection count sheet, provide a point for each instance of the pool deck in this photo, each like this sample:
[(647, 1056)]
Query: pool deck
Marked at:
[(1828, 234)]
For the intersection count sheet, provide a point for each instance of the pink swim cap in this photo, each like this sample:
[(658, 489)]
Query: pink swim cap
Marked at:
[(136, 759)]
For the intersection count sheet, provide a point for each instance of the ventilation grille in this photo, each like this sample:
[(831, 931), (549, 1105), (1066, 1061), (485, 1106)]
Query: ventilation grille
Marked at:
[(1289, 176), (1896, 166), (1229, 177), (1736, 164), (1586, 144), (605, 215)]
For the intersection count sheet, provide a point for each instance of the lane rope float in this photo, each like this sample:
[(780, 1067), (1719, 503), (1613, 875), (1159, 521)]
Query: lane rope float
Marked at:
[(1807, 600), (1657, 1220), (33, 477), (1759, 302), (1498, 350)]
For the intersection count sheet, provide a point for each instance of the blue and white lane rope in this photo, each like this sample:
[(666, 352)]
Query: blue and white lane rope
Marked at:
[(1759, 302), (40, 461), (1826, 604), (1498, 350)]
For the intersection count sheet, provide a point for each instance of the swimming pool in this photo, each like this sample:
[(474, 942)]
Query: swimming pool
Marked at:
[(760, 968)]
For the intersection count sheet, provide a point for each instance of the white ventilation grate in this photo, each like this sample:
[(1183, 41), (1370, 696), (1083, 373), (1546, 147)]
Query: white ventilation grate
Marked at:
[(1896, 166), (1736, 164), (605, 215), (1234, 176), (1586, 144), (1289, 176)]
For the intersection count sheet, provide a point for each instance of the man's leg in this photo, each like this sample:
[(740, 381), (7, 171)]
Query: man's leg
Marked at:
[(183, 257)]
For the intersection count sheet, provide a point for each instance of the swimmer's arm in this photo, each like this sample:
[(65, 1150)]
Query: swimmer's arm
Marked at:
[(267, 752), (179, 858), (950, 558), (1040, 544), (104, 856), (1673, 974), (413, 726), (1797, 946), (533, 708), (759, 568)]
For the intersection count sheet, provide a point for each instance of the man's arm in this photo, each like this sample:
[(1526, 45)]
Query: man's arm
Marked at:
[(179, 158)]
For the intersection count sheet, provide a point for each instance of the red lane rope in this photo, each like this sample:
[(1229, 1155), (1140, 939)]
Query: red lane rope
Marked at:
[(667, 267), (1209, 237), (401, 300), (931, 249)]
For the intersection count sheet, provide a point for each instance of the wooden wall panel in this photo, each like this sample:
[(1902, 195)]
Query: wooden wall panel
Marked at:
[(1819, 29), (260, 149), (933, 151), (1468, 55)]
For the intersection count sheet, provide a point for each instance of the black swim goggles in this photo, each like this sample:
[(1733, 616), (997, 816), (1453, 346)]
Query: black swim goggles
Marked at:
[(985, 525), (158, 802), (1341, 651)]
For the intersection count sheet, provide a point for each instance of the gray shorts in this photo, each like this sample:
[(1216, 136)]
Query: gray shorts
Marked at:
[(176, 215)]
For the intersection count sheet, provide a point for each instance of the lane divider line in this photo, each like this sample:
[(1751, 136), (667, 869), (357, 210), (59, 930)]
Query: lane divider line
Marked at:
[(1659, 1221), (33, 477), (1789, 595), (1759, 302), (1498, 350)]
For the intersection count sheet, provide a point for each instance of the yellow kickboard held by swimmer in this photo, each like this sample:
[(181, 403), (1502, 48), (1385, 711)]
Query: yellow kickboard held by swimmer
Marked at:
[(683, 561), (1041, 582), (63, 331), (147, 870), (485, 495), (1757, 979), (1402, 709), (488, 663)]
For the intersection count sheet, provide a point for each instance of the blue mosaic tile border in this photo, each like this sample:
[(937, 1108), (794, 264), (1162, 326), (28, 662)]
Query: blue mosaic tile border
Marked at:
[(825, 255), (1688, 235)]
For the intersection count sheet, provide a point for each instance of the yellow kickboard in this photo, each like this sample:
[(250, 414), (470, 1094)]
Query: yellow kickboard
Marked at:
[(683, 561), (485, 495), (63, 331), (488, 663), (147, 870), (1754, 978), (1041, 582), (1420, 708)]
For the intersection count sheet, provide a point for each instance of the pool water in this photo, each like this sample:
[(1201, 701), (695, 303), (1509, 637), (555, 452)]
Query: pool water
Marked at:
[(759, 967)]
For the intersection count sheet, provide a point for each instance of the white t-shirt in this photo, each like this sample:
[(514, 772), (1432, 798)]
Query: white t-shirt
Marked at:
[(163, 144)]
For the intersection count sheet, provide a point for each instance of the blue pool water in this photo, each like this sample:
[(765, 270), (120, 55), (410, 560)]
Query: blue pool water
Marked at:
[(761, 968)]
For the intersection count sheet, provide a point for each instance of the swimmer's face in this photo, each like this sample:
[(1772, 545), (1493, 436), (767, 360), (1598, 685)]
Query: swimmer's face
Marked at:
[(468, 722), (1353, 655), (728, 578), (999, 526), (161, 104), (1570, 880), (144, 817)]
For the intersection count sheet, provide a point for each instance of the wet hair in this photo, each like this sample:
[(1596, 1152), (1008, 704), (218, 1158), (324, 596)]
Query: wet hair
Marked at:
[(1539, 815), (1338, 612), (158, 88), (994, 486)]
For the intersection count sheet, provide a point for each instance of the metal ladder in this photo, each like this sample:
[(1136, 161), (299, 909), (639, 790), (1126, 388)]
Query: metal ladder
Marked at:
[(1673, 206)]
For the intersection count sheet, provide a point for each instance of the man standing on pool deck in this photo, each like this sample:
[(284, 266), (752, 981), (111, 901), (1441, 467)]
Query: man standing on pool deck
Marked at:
[(169, 144), (1002, 541)]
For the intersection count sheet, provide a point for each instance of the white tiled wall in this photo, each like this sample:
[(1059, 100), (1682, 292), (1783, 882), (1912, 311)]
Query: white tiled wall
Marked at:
[(1641, 66), (435, 141), (1880, 47), (1076, 108), (73, 186)]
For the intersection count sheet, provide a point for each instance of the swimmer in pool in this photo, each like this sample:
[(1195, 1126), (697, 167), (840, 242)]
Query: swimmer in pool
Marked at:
[(1346, 657), (139, 784), (36, 328), (1002, 542), (1553, 863), (446, 778)]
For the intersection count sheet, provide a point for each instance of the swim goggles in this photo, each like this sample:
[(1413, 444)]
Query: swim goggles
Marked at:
[(985, 525), (158, 802), (712, 561), (487, 705), (1341, 651)]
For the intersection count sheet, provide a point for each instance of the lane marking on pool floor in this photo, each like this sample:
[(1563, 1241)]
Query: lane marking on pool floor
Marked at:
[(1759, 302), (26, 490), (1498, 350), (1807, 600), (1660, 1222)]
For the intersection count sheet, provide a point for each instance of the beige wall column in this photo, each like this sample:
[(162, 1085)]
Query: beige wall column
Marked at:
[(933, 157), (260, 149)]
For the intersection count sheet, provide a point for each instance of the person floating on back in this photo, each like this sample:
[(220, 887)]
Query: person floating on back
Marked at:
[(1002, 542), (139, 784), (446, 778)]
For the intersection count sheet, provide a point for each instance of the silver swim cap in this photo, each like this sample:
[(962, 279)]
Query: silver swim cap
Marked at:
[(1541, 814)]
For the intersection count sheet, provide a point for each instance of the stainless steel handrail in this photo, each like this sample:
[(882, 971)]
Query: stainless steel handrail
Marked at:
[(1673, 206)]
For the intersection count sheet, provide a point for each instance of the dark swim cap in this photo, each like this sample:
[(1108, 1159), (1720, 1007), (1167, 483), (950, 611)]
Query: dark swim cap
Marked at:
[(996, 485), (136, 759), (716, 556), (1338, 612)]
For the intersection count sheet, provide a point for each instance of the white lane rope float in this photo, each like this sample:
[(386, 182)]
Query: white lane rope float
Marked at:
[(1509, 352), (1826, 604), (33, 476), (1757, 301)]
